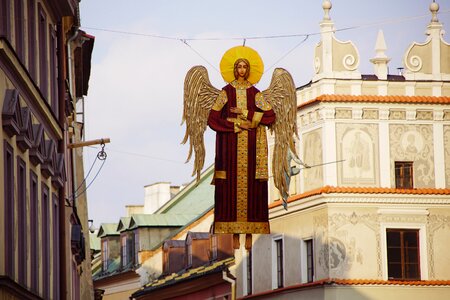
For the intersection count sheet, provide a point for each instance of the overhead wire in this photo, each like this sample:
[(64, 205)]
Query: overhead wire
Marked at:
[(185, 40), (142, 155), (306, 36)]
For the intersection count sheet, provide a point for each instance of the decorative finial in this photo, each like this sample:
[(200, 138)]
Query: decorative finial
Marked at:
[(326, 5), (434, 8), (380, 46)]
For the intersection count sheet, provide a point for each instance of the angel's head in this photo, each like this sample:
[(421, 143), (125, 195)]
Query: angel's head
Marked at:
[(241, 68)]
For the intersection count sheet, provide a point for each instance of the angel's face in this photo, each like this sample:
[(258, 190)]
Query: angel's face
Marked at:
[(241, 69)]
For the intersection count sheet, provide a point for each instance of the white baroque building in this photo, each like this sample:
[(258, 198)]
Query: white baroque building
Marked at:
[(375, 224)]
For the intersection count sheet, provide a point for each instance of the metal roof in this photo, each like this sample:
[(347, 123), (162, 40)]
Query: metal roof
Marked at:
[(107, 229)]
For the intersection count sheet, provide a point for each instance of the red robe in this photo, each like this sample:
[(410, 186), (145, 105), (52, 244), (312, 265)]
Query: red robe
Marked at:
[(241, 195)]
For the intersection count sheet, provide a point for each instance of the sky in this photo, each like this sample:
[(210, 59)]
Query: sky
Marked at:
[(144, 48)]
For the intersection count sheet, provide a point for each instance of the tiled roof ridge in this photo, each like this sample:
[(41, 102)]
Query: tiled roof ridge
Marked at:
[(378, 98), (363, 190), (187, 274), (388, 282), (337, 281)]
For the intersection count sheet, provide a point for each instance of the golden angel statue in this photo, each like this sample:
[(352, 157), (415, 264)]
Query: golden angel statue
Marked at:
[(240, 114)]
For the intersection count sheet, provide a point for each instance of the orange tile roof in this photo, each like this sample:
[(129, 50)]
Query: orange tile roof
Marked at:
[(378, 99), (389, 282), (363, 190), (336, 281)]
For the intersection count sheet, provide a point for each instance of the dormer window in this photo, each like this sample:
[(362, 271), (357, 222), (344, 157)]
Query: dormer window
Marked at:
[(189, 251), (124, 251), (105, 254), (213, 247)]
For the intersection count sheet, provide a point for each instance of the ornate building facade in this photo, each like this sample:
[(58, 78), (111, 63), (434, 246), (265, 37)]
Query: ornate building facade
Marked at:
[(44, 72), (378, 215)]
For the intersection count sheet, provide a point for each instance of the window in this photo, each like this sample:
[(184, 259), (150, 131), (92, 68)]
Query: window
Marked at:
[(189, 254), (34, 231), (105, 254), (403, 254), (43, 67), (5, 18), (308, 261), (53, 71), (22, 219), (404, 174), (166, 260), (56, 251), (19, 30), (277, 263), (213, 247), (124, 250), (9, 208), (249, 272), (136, 247), (32, 38), (45, 241)]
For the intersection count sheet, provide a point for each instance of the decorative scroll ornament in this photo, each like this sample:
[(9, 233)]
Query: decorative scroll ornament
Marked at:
[(317, 64), (350, 63), (414, 63)]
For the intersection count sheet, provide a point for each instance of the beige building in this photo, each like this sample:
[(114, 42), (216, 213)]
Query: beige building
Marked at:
[(44, 73), (370, 218)]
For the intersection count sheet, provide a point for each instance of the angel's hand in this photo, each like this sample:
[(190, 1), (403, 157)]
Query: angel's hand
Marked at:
[(236, 110), (247, 125)]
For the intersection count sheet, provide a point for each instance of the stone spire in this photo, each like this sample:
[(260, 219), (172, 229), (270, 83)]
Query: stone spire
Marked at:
[(380, 60)]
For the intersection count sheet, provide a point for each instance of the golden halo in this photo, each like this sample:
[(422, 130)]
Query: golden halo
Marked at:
[(229, 58)]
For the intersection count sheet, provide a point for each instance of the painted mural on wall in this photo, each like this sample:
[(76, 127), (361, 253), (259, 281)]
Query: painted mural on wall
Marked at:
[(335, 240), (447, 155), (358, 146), (413, 143), (312, 155)]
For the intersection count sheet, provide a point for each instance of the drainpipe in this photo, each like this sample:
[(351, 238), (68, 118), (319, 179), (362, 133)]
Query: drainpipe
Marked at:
[(62, 149), (72, 151), (228, 277), (71, 92)]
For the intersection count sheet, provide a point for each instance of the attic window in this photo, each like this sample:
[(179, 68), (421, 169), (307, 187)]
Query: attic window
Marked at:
[(105, 254)]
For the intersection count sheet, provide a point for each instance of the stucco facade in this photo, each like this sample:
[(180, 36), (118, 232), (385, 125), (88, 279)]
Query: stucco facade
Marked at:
[(42, 253), (359, 132)]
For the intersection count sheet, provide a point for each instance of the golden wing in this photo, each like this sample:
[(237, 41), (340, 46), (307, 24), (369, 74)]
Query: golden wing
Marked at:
[(199, 97), (281, 95)]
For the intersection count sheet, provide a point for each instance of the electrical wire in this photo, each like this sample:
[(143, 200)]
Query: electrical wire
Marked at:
[(75, 195), (87, 175), (286, 54), (184, 39), (142, 155)]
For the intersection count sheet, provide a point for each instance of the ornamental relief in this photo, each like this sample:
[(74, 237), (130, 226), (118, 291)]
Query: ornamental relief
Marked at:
[(358, 147), (321, 244), (312, 155), (413, 143), (447, 155), (371, 114), (397, 114), (424, 115), (435, 222), (337, 248), (343, 113), (446, 115)]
